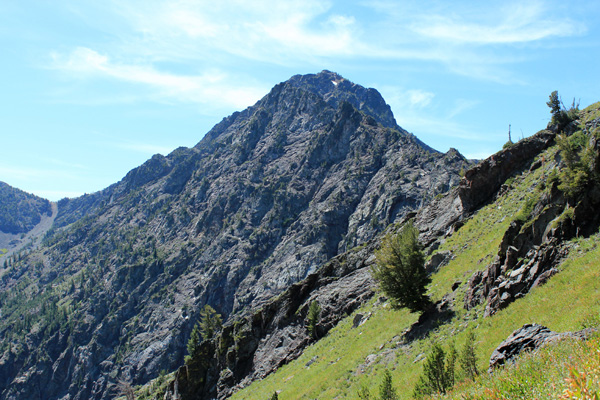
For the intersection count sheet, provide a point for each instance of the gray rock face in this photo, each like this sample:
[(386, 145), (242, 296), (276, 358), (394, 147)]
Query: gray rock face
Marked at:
[(270, 194), (480, 184), (256, 345), (285, 340), (528, 338), (334, 89)]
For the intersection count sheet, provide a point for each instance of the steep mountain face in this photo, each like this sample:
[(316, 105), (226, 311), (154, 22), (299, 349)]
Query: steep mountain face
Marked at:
[(507, 226), (252, 347), (20, 211), (271, 193)]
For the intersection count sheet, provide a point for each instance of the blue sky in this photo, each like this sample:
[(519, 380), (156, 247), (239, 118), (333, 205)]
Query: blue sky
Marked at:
[(91, 89)]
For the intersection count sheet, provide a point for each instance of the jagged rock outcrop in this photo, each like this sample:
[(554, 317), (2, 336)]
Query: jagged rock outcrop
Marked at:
[(530, 337), (533, 245), (271, 193), (251, 347), (480, 185), (538, 235)]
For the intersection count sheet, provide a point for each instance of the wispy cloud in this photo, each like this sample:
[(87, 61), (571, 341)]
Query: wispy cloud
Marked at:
[(275, 32), (63, 163), (511, 23), (404, 99), (460, 106), (477, 41), (212, 86)]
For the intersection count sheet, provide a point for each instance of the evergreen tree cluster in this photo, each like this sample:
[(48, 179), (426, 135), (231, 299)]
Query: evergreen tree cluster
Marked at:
[(205, 329), (439, 371)]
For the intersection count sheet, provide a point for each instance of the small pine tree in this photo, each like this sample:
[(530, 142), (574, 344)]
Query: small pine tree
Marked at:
[(193, 343), (275, 396), (451, 357), (561, 116), (364, 393), (400, 270), (468, 358), (314, 311), (210, 322), (578, 155), (555, 104), (438, 372), (386, 389)]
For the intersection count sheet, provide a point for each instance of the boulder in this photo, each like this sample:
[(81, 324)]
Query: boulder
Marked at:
[(528, 338), (438, 260)]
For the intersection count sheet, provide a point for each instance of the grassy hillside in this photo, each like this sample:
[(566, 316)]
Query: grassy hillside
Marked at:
[(347, 359)]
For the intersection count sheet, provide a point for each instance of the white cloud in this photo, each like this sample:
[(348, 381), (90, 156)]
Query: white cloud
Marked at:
[(432, 125), (272, 31), (477, 41), (211, 87), (63, 163), (419, 98), (513, 23), (407, 99), (484, 40), (462, 105)]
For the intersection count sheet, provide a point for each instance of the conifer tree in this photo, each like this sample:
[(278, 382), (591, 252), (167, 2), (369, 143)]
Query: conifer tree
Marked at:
[(364, 393), (314, 311), (400, 270), (386, 390), (438, 372), (468, 358), (194, 341), (210, 322)]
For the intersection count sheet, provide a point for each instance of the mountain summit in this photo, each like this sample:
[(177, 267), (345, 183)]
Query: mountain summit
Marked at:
[(269, 195), (334, 89)]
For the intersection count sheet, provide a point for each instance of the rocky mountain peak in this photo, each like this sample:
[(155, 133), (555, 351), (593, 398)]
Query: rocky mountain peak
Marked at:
[(334, 89), (267, 197), (302, 102)]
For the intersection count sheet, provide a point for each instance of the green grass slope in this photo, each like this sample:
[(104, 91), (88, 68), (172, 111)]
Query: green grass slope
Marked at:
[(348, 359)]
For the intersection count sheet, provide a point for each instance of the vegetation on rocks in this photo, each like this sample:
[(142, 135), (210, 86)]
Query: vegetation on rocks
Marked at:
[(314, 311)]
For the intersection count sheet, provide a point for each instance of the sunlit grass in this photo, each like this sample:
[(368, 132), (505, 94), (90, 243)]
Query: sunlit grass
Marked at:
[(337, 357), (567, 302)]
